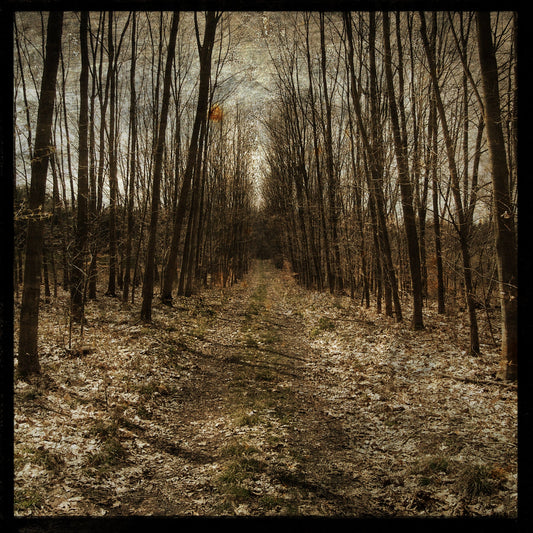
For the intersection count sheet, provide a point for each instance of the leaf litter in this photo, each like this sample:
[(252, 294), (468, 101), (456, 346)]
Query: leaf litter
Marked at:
[(263, 399)]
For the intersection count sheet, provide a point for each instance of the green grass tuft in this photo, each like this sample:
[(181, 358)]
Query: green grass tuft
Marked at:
[(476, 480)]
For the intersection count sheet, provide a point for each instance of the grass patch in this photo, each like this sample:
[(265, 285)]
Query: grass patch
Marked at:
[(430, 469), (238, 449), (238, 470), (476, 480), (30, 395), (324, 324), (233, 358), (270, 337), (281, 505), (250, 342), (259, 295), (199, 331), (103, 429), (238, 493), (269, 502), (432, 465), (143, 412), (435, 464), (264, 375), (256, 303), (25, 499), (253, 309), (237, 473), (47, 459), (112, 453), (151, 387), (248, 419)]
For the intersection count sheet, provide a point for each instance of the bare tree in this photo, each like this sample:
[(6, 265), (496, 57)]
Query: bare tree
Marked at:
[(28, 355), (78, 275), (148, 282), (205, 49), (503, 206), (400, 145), (462, 224)]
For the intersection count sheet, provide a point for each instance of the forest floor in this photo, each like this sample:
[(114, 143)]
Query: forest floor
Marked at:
[(263, 399)]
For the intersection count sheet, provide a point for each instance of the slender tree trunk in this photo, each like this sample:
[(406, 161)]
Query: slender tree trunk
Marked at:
[(28, 355), (432, 137), (503, 207), (80, 242), (332, 178), (97, 188), (205, 51), (133, 161), (148, 282), (374, 156), (405, 185), (462, 225), (321, 196), (113, 184)]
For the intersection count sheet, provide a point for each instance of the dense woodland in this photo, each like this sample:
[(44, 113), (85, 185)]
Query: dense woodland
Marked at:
[(379, 164), (389, 161)]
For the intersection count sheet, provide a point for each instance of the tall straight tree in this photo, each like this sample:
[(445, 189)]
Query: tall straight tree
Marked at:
[(205, 50), (400, 145), (332, 178), (319, 178), (28, 355), (503, 208), (111, 73), (97, 182), (372, 145), (77, 277), (133, 161), (462, 225), (148, 282)]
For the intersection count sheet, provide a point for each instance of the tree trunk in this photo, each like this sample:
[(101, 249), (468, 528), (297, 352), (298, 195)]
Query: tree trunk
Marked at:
[(405, 185), (28, 356), (374, 176), (332, 178), (503, 207), (148, 282), (113, 185), (205, 51), (133, 160), (79, 254), (462, 225)]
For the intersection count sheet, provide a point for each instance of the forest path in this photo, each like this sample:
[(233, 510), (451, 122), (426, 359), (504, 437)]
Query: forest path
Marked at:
[(248, 433), (263, 399)]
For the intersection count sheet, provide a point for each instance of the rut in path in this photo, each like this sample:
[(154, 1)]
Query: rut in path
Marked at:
[(248, 432)]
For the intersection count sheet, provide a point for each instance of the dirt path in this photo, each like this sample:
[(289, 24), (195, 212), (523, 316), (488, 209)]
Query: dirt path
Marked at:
[(248, 433), (266, 399)]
